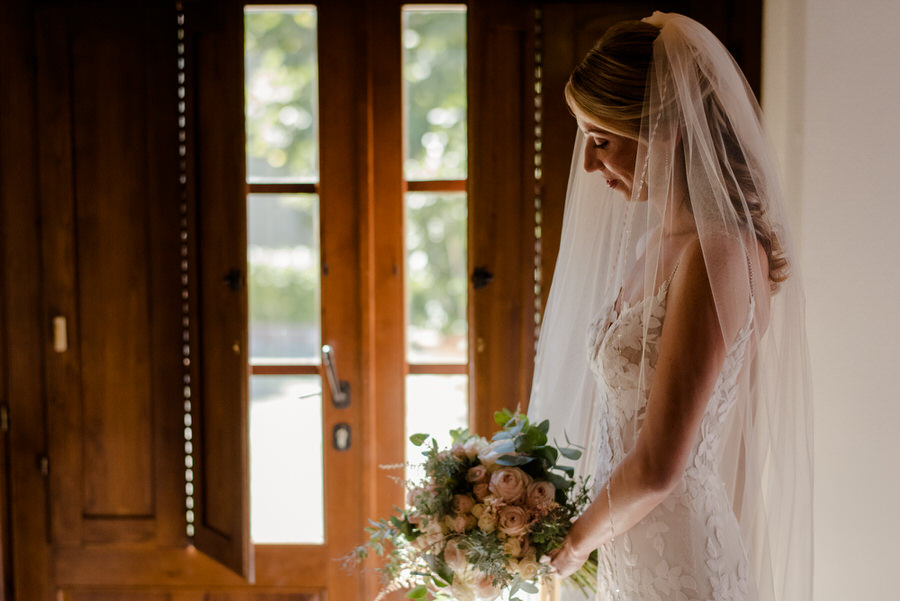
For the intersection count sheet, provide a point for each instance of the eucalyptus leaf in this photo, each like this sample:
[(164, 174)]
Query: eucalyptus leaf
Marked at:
[(514, 460), (528, 587), (418, 439), (505, 447), (570, 453), (420, 592), (502, 417), (559, 482), (544, 426)]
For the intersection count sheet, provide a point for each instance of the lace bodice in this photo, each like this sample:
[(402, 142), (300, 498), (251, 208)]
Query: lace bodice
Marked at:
[(689, 547)]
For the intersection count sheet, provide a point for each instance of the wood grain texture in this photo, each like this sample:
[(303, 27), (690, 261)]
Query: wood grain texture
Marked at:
[(501, 207), (59, 270), (214, 42), (341, 86), (23, 336), (110, 137), (110, 269)]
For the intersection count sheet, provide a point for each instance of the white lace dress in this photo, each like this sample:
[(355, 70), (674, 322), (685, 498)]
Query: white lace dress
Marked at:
[(689, 547)]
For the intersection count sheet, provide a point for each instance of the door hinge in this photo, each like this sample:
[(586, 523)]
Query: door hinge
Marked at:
[(44, 465), (4, 417)]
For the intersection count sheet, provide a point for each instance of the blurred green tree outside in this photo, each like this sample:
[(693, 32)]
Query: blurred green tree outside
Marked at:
[(282, 145)]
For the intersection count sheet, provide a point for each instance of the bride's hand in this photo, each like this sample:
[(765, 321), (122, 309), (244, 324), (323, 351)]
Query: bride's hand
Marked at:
[(568, 558)]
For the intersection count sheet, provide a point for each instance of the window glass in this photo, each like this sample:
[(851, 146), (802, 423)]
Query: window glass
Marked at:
[(281, 90), (434, 405), (436, 287), (434, 77), (286, 476), (283, 257)]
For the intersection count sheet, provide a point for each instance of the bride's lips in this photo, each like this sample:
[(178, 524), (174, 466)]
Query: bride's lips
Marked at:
[(612, 183)]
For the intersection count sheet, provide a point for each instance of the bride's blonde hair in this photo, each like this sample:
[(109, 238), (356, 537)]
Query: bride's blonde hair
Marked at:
[(608, 88)]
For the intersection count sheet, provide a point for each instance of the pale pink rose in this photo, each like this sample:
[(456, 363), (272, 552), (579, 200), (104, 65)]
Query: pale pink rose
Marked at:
[(485, 589), (539, 495), (463, 504), (461, 523), (481, 490), (459, 451), (476, 474), (455, 557), (513, 520), (510, 484)]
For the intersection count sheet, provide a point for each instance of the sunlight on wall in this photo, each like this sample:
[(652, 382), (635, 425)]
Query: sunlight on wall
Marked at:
[(832, 93)]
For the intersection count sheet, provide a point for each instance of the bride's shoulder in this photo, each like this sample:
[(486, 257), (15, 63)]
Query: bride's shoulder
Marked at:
[(716, 273)]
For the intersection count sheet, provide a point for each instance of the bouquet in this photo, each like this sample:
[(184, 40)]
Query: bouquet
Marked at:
[(483, 518)]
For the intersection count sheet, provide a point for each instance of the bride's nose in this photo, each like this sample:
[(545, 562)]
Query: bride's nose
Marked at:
[(591, 162)]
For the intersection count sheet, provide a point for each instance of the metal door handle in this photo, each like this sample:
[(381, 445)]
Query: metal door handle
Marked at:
[(340, 389)]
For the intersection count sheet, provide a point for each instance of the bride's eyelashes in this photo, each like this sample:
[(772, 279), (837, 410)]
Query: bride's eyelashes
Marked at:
[(600, 144)]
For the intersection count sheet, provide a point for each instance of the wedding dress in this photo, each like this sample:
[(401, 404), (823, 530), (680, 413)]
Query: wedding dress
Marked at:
[(689, 547)]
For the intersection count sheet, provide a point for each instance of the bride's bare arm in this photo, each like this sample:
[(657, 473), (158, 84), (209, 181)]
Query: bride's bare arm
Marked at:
[(691, 353)]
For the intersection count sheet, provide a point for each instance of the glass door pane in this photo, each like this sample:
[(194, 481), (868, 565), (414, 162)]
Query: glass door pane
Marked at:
[(281, 90), (435, 221), (286, 443), (434, 77)]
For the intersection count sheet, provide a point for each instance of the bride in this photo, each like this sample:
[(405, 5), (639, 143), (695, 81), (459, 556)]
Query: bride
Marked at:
[(677, 273)]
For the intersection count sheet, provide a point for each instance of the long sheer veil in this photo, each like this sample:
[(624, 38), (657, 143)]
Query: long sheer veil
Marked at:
[(700, 132)]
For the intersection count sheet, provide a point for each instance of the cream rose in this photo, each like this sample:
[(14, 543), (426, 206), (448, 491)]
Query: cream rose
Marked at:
[(477, 510), (510, 484), (528, 567), (432, 534), (539, 495), (473, 446), (461, 591), (487, 522), (463, 504), (512, 520), (476, 474), (512, 547)]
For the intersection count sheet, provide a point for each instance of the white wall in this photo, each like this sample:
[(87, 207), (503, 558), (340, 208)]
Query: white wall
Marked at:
[(831, 95)]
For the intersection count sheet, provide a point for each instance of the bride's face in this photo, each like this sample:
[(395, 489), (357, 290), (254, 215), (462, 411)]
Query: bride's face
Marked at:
[(613, 155)]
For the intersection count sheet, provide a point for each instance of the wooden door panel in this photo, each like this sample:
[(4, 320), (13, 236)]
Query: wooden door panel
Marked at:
[(110, 233), (113, 266), (219, 361)]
